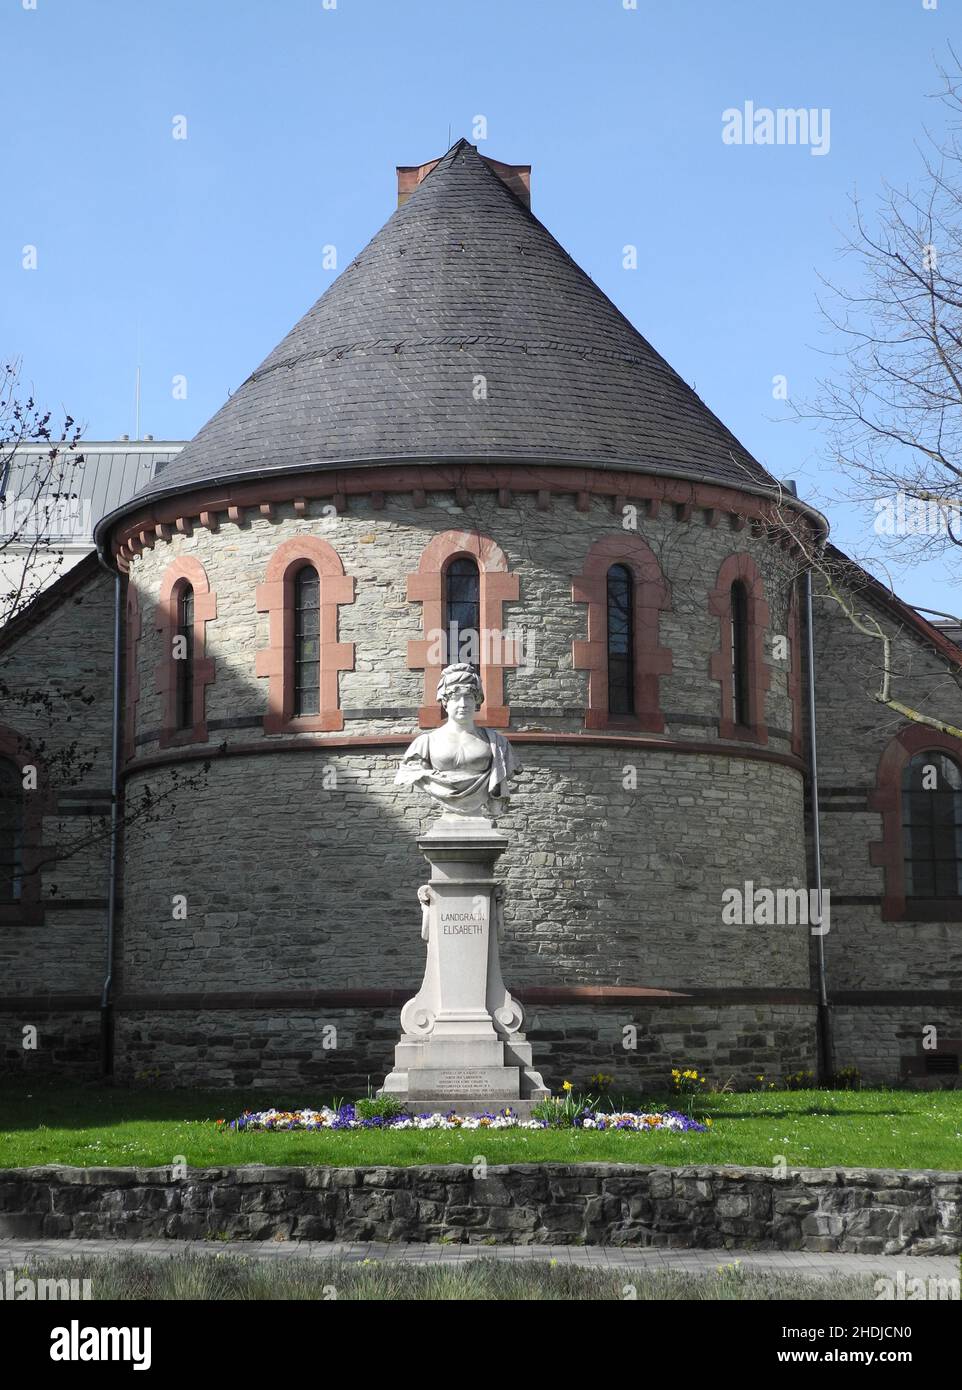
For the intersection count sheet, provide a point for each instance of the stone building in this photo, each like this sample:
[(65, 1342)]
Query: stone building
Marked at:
[(465, 441)]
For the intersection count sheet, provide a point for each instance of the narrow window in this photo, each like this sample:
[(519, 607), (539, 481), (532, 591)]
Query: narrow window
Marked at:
[(462, 595), (741, 708), (621, 641), (11, 832), (932, 826), (307, 642), (185, 657)]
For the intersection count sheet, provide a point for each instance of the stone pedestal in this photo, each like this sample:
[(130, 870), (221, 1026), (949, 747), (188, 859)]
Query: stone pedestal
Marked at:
[(461, 1042)]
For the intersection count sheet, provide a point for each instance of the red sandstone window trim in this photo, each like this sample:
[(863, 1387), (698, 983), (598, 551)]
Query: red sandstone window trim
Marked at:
[(888, 852), (276, 597), (652, 661), (178, 574), (29, 910), (741, 568), (497, 587)]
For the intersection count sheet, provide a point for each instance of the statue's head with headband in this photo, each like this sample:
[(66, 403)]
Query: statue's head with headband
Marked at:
[(461, 677)]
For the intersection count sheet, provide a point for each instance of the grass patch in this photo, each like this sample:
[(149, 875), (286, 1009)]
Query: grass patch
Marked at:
[(199, 1277), (94, 1126)]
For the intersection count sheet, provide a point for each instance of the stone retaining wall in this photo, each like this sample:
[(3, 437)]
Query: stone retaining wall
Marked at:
[(860, 1211)]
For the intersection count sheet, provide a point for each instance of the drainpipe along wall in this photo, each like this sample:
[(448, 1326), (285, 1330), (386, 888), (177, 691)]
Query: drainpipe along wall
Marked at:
[(106, 1001), (825, 1047)]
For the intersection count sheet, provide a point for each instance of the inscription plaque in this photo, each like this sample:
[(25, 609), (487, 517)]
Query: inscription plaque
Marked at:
[(458, 1083)]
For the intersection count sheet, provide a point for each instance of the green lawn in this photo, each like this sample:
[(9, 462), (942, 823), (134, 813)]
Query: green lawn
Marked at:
[(45, 1124)]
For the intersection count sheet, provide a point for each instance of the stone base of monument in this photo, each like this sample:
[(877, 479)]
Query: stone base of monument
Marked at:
[(461, 1047), (443, 1105)]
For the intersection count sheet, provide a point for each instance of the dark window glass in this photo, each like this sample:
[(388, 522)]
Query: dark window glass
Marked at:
[(741, 707), (932, 826), (307, 642), (462, 601), (11, 832), (621, 641), (185, 658)]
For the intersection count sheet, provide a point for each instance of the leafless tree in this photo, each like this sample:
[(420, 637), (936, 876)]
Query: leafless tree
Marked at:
[(41, 505), (893, 406), (38, 492)]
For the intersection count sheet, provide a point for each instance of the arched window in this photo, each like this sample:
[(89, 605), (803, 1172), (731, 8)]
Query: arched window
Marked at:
[(11, 833), (932, 826), (738, 664), (185, 657), (304, 587), (621, 641), (625, 592), (462, 611), (307, 642), (464, 580), (185, 606), (741, 706)]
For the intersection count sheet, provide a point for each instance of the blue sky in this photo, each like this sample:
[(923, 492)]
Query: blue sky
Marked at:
[(195, 256)]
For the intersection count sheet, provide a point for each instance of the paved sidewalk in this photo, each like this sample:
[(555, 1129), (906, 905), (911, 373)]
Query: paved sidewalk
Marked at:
[(15, 1252)]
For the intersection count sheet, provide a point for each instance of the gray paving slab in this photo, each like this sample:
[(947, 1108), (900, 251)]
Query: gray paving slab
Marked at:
[(15, 1252)]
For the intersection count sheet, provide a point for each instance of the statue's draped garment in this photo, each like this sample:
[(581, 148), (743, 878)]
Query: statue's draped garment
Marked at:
[(465, 785)]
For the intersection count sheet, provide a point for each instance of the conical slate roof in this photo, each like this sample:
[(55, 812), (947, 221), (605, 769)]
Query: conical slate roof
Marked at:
[(462, 282)]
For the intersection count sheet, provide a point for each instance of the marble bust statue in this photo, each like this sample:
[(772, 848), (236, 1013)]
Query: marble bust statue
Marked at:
[(463, 768)]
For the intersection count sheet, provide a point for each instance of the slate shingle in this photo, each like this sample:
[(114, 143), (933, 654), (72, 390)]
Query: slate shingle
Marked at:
[(462, 281)]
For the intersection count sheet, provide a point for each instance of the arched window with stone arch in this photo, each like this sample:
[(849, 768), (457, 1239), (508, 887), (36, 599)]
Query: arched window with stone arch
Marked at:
[(625, 591), (185, 606), (304, 586), (445, 588), (738, 665), (918, 793), (932, 825)]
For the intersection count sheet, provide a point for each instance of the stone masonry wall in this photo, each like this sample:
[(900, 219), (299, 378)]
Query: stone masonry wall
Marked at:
[(58, 675), (380, 547), (863, 952), (305, 1057), (877, 1038), (604, 885), (858, 1211), (619, 856)]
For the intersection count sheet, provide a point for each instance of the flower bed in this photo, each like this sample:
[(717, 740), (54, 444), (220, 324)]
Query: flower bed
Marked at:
[(345, 1117)]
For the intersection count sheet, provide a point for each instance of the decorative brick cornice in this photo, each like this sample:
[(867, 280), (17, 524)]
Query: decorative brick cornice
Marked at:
[(497, 587), (652, 661), (276, 598), (712, 503), (741, 567), (184, 571), (888, 853)]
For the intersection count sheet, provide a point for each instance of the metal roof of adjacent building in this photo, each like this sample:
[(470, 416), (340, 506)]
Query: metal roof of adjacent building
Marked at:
[(63, 503), (463, 331)]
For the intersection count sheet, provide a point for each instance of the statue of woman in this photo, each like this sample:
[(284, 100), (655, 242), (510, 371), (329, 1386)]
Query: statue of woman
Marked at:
[(465, 769)]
